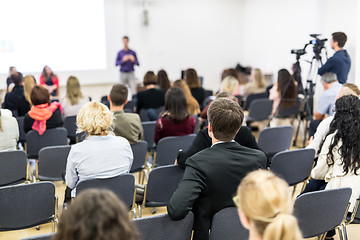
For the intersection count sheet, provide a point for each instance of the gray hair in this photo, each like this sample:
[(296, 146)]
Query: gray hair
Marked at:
[(329, 77)]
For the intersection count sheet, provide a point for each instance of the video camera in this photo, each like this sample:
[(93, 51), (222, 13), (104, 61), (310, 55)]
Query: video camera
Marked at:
[(318, 44)]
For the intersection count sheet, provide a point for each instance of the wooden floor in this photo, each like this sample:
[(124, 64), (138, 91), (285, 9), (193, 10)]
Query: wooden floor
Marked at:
[(353, 230)]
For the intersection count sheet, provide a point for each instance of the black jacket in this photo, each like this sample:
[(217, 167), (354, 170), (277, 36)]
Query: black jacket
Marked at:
[(151, 98), (210, 181), (53, 122), (12, 98)]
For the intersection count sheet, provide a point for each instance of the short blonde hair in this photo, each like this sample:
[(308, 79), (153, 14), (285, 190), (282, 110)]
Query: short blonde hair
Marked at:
[(94, 118), (229, 84), (266, 202)]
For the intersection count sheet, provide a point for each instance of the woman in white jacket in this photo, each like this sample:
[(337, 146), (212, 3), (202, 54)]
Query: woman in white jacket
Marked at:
[(9, 131)]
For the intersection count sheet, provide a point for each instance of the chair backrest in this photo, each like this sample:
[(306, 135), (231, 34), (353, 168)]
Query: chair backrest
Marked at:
[(144, 113), (252, 97), (70, 125), (22, 134), (291, 111), (149, 132), (47, 236), (139, 151), (275, 139), (52, 162), (196, 129), (123, 186), (294, 166), (321, 211), (162, 183), (51, 137), (161, 227), (260, 109), (13, 167), (130, 105), (26, 205), (226, 225), (168, 148)]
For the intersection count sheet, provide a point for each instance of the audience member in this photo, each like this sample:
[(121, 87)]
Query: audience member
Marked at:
[(194, 84), (151, 97), (43, 114), (203, 114), (230, 84), (212, 175), (12, 98), (323, 128), (175, 120), (265, 205), (163, 80), (257, 85), (96, 214), (9, 81), (230, 72), (339, 158), (74, 99), (24, 104), (193, 107), (9, 131), (326, 101), (50, 81), (127, 125), (101, 154)]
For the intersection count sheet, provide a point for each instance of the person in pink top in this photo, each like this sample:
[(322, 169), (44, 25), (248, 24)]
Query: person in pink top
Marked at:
[(49, 79), (175, 120)]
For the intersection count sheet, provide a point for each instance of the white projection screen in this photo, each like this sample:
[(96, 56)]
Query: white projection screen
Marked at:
[(67, 35)]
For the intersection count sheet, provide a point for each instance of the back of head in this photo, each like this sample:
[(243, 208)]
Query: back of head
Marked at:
[(39, 95), (230, 72), (175, 104), (265, 200), (73, 91), (118, 94), (17, 78), (340, 38), (150, 78), (96, 214), (192, 79), (329, 77), (229, 84), (349, 89), (94, 118), (29, 83), (192, 104), (163, 80), (287, 88), (225, 117), (259, 78)]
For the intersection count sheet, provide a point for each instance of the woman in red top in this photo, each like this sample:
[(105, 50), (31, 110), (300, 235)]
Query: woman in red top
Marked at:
[(50, 81), (175, 120)]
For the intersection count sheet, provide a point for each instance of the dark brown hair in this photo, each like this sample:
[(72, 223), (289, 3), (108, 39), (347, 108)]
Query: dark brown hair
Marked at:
[(96, 214), (287, 88), (340, 38), (175, 104), (44, 74), (118, 94), (225, 117), (17, 78), (230, 72), (163, 80), (192, 78), (149, 78), (39, 95)]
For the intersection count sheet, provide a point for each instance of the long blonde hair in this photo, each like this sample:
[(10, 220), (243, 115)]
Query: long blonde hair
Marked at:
[(29, 83), (191, 103), (73, 92), (266, 202), (259, 78)]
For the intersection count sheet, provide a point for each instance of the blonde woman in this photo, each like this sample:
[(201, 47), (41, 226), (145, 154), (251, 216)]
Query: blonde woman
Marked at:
[(24, 104), (74, 98), (230, 84), (191, 103), (265, 206), (258, 84), (101, 154)]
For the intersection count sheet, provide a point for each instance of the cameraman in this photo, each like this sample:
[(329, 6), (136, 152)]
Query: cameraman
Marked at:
[(340, 62)]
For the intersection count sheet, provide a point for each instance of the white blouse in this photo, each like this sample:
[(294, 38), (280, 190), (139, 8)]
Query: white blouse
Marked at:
[(72, 110)]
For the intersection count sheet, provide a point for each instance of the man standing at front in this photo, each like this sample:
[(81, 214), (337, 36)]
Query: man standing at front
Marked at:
[(213, 174), (340, 62), (127, 59)]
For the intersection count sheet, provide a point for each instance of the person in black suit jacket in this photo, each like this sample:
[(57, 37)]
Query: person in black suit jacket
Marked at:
[(212, 175)]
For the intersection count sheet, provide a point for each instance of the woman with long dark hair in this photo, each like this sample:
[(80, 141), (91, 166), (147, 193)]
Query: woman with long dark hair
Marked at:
[(163, 80), (175, 120), (49, 79)]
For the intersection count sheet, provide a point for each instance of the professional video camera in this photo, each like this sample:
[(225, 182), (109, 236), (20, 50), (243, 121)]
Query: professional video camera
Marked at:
[(319, 44)]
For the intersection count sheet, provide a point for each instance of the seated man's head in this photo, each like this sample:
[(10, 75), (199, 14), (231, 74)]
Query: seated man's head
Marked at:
[(328, 79), (17, 78), (118, 95), (225, 119)]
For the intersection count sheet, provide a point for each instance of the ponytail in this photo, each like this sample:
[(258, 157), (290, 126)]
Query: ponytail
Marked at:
[(283, 226)]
